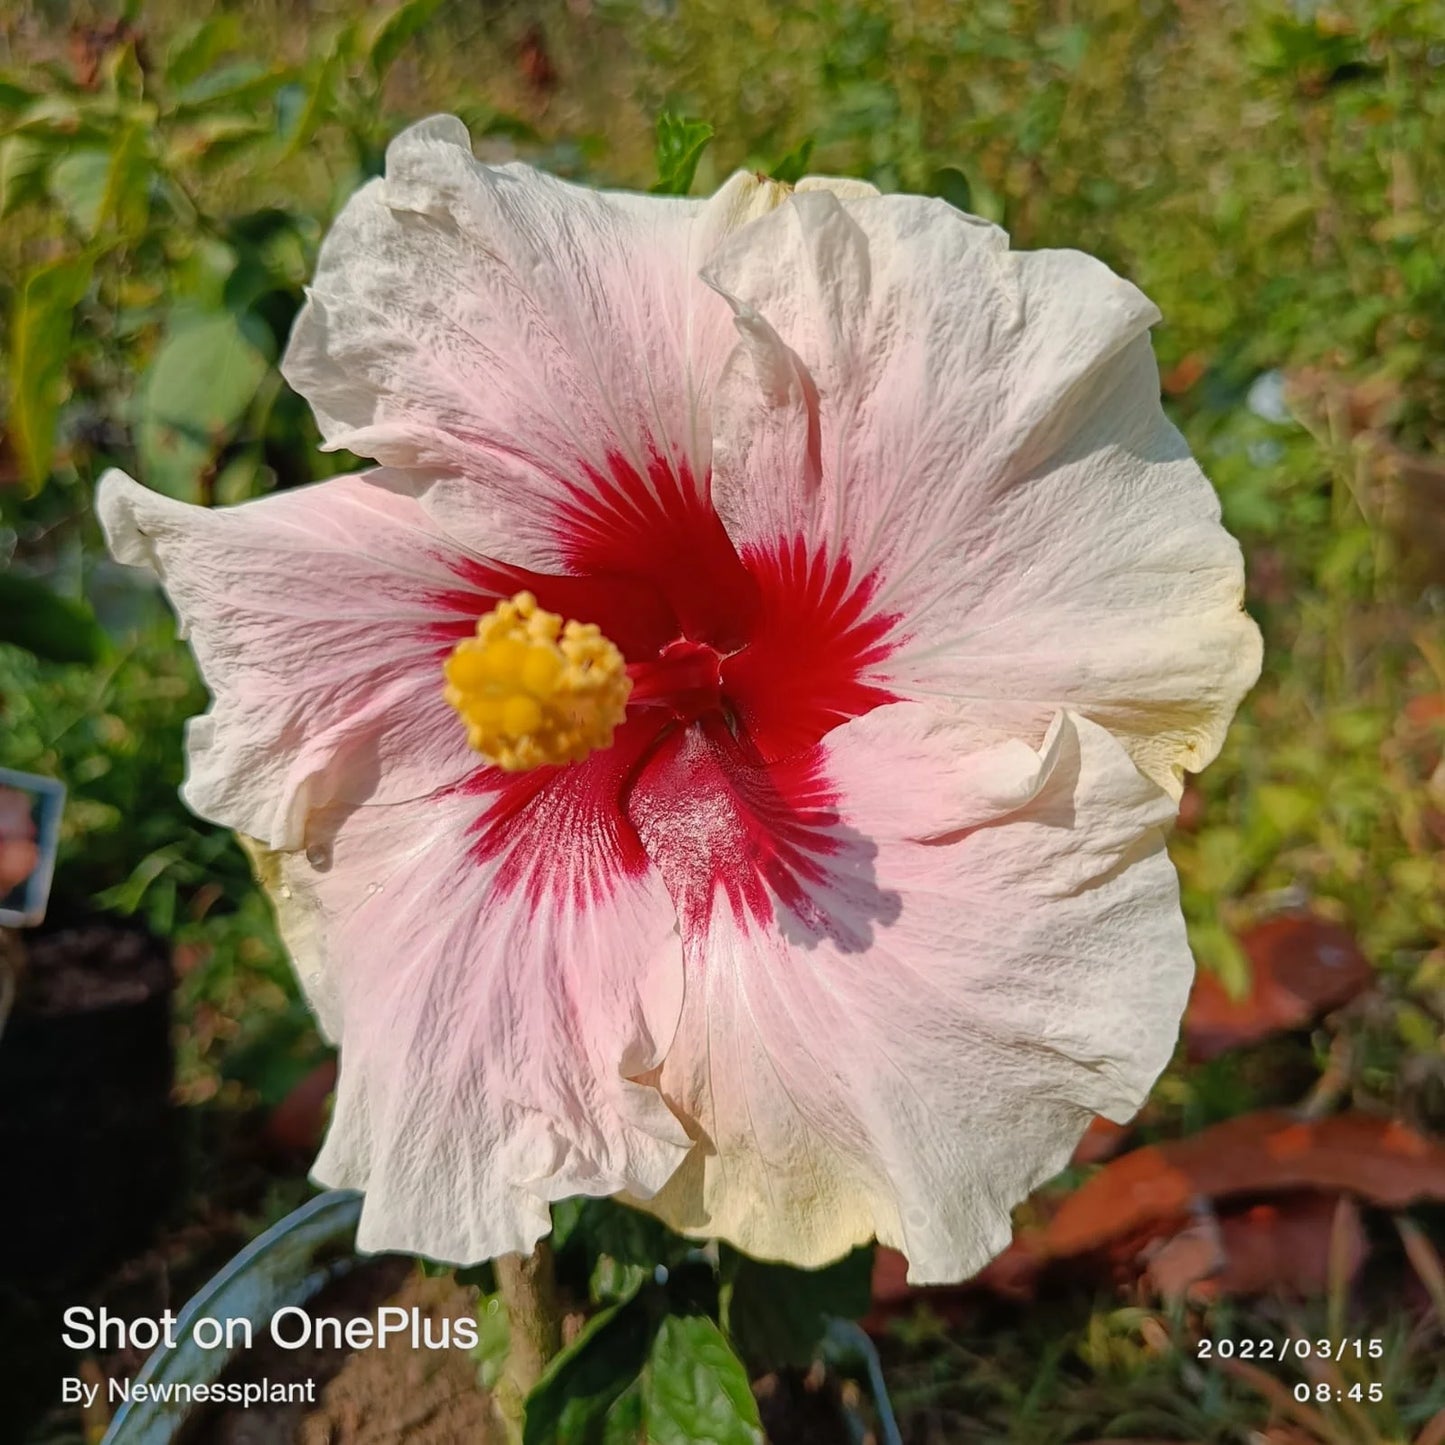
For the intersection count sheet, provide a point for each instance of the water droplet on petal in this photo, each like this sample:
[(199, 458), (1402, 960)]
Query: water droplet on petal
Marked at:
[(373, 889)]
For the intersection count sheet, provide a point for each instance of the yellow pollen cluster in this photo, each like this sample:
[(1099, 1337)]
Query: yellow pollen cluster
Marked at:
[(532, 691)]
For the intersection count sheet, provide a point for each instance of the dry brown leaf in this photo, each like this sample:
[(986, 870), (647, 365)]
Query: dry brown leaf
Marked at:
[(1012, 1275), (1434, 1431), (1182, 376), (1300, 967), (534, 60), (1426, 710), (1102, 1140), (1178, 1267), (1377, 1159), (1284, 1247), (298, 1122)]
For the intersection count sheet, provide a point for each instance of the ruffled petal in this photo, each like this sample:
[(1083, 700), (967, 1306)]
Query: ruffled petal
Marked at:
[(921, 1043), (910, 772), (549, 349), (980, 429), (494, 997), (320, 618), (495, 956)]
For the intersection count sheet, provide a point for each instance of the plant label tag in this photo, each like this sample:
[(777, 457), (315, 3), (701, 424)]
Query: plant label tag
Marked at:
[(30, 809)]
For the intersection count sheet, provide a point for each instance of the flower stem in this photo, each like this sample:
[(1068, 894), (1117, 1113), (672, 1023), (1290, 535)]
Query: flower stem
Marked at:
[(528, 1287)]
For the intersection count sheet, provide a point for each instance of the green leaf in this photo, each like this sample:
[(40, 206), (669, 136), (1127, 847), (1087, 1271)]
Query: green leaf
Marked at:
[(127, 182), (103, 188), (1066, 46), (617, 1279), (794, 166), (484, 120), (198, 47), (568, 1221), (494, 1338), (52, 627), (39, 342), (950, 184), (680, 144), (695, 1389), (200, 384), (25, 162), (121, 73), (127, 896), (582, 1385), (1289, 810), (78, 181), (626, 1422), (1218, 952), (244, 476), (395, 30), (1357, 728), (613, 1248), (1417, 1029), (218, 137), (320, 90), (242, 83), (75, 119), (776, 1315), (630, 1246), (14, 95)]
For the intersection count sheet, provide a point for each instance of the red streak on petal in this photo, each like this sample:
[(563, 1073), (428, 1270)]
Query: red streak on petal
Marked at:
[(559, 835), (722, 828), (813, 641), (661, 528), (629, 610)]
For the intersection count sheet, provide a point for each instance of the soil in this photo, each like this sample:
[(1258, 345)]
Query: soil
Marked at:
[(364, 1397), (803, 1407), (88, 1047), (90, 966)]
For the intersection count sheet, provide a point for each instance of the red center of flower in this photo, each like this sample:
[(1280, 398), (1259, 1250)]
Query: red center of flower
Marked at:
[(685, 678), (740, 663)]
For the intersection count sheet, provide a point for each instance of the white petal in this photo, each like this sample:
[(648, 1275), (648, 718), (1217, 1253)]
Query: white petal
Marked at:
[(313, 615), (980, 429), (534, 340), (489, 1033), (926, 1048)]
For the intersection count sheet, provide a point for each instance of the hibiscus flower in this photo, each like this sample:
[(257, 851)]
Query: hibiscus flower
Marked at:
[(723, 756)]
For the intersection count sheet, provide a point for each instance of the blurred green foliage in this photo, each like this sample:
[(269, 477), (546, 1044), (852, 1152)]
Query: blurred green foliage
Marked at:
[(680, 144), (1271, 172)]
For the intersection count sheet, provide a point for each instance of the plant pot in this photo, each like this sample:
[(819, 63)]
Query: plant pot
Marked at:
[(330, 1387), (287, 1265), (87, 1131)]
